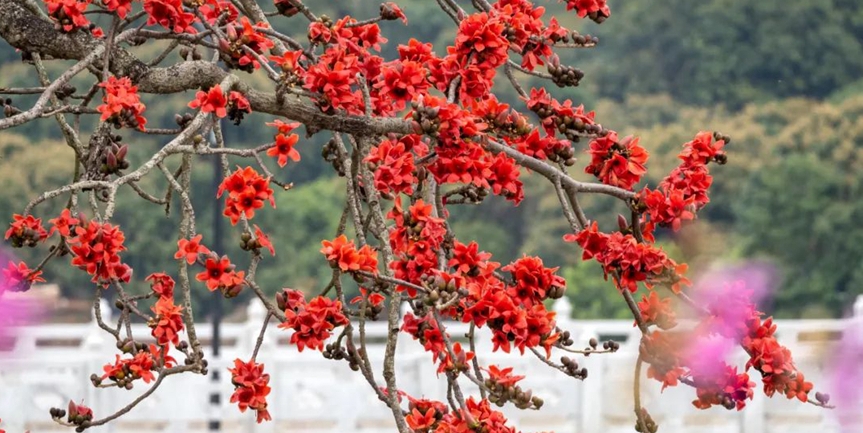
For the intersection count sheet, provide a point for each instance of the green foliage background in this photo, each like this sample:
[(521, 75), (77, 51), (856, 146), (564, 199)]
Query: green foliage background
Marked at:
[(783, 77)]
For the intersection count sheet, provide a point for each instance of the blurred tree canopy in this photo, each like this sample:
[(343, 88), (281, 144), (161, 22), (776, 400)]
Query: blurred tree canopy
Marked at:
[(789, 193)]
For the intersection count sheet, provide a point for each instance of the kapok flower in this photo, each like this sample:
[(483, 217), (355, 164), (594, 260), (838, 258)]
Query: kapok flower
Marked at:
[(344, 254), (190, 249), (18, 278), (211, 101), (168, 322), (251, 388)]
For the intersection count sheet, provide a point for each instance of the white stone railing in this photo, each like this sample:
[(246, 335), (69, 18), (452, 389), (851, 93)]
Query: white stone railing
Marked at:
[(51, 364)]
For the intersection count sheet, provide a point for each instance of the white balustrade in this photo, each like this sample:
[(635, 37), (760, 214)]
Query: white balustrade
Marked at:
[(312, 394)]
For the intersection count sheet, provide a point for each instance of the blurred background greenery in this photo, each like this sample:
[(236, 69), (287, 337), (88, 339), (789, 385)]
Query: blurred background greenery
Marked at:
[(784, 78)]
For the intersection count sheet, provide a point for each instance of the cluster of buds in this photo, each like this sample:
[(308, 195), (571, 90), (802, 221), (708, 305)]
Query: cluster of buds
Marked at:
[(823, 398), (249, 244), (184, 120), (563, 75), (598, 16), (330, 153), (510, 122), (127, 345), (721, 158), (572, 369), (608, 346), (425, 119), (187, 53), (564, 154), (649, 423), (76, 414), (566, 339), (502, 393), (574, 128), (336, 352), (440, 290), (113, 157), (469, 194), (286, 8)]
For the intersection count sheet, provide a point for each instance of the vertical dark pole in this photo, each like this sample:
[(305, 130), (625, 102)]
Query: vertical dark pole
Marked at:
[(217, 246)]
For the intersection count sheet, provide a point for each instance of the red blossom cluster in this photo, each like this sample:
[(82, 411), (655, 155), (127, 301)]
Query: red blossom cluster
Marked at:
[(96, 248), (311, 322), (393, 163), (628, 260), (25, 230), (344, 255), (427, 330), (18, 278), (251, 388), (247, 191), (169, 319), (483, 417), (285, 142), (596, 10), (617, 162), (415, 240), (213, 10), (69, 15), (170, 15), (684, 190), (121, 104), (244, 45), (731, 317), (140, 366)]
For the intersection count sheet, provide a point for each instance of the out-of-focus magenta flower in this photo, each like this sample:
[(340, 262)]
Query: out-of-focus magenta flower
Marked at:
[(845, 373)]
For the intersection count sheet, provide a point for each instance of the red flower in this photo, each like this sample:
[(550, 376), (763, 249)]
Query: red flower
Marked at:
[(18, 278), (161, 284), (375, 298), (96, 249), (502, 376), (284, 149), (313, 322), (212, 101), (480, 39), (64, 223), (343, 254), (264, 240), (213, 9), (168, 322), (617, 163), (244, 37), (170, 15), (26, 230), (657, 311), (121, 104), (122, 7), (251, 388), (402, 81), (668, 210), (393, 166), (78, 413), (69, 13), (596, 10), (247, 191), (238, 106), (504, 178), (533, 281), (190, 249), (219, 274), (289, 62), (421, 422), (392, 11)]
